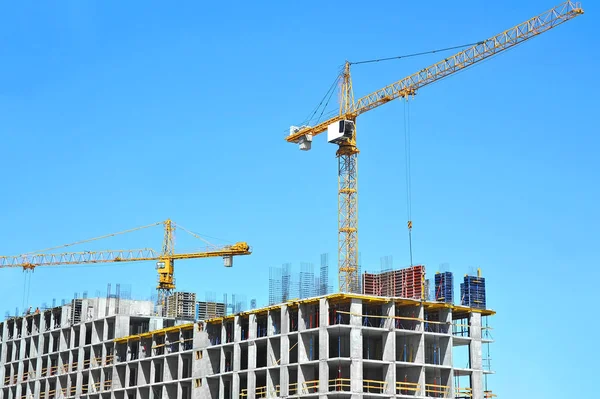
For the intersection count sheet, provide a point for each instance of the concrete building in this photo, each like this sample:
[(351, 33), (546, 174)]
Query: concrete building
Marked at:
[(332, 346)]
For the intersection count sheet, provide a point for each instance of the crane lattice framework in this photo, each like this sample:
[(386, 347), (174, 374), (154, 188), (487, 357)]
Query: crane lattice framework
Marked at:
[(341, 129), (165, 259)]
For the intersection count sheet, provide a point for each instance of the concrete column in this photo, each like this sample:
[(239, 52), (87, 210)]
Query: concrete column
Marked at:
[(20, 393), (420, 355), (252, 328), (235, 386), (237, 354), (446, 347), (285, 350), (356, 348), (302, 317), (270, 385), (323, 347), (389, 348), (223, 333), (251, 384), (284, 380), (270, 324), (285, 320), (3, 355), (21, 355), (323, 378), (475, 353)]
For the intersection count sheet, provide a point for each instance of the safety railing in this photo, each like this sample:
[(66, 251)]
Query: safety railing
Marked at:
[(407, 388), (374, 386), (262, 392), (489, 394), (486, 332), (339, 384), (310, 387), (293, 388), (96, 361), (68, 392), (29, 375), (437, 391), (109, 360), (461, 329), (435, 326), (463, 393)]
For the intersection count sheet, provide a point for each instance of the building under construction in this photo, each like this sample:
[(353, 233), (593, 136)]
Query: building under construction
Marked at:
[(383, 336), (336, 345)]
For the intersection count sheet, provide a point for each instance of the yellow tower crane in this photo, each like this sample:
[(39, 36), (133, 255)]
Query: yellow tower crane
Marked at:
[(165, 259), (341, 129)]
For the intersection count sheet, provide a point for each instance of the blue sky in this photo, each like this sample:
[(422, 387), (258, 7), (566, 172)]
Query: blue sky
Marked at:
[(118, 116)]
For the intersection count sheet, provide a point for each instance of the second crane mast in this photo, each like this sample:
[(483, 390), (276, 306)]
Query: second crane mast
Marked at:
[(341, 129)]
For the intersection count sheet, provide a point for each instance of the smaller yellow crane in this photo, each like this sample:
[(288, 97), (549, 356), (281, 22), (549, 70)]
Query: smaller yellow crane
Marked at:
[(165, 259)]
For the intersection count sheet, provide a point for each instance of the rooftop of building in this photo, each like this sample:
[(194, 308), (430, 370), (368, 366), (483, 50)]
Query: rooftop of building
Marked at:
[(458, 310)]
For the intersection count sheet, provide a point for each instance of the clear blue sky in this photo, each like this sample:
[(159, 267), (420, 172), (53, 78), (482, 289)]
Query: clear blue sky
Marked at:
[(116, 116)]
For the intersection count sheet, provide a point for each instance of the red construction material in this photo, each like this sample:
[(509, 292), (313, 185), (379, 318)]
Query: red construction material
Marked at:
[(403, 283)]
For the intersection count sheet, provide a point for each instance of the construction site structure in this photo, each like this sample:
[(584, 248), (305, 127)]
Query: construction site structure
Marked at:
[(208, 310), (331, 346), (341, 128), (181, 305)]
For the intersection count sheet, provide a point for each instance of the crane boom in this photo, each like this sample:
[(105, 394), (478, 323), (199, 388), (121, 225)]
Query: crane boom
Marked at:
[(459, 61), (165, 265), (111, 256)]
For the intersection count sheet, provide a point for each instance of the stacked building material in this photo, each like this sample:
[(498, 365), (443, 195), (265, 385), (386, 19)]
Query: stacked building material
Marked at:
[(472, 292), (181, 305), (403, 283), (444, 283)]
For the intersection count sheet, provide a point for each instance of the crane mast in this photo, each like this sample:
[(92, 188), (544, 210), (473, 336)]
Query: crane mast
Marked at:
[(341, 129), (347, 155)]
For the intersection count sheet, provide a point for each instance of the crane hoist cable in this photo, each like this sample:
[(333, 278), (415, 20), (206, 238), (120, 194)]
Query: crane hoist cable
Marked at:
[(26, 288), (408, 175)]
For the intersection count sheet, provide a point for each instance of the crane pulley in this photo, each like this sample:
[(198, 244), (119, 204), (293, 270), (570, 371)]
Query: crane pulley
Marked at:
[(341, 129)]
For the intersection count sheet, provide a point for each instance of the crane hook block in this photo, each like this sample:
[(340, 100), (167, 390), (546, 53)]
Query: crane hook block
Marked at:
[(304, 141), (340, 131)]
